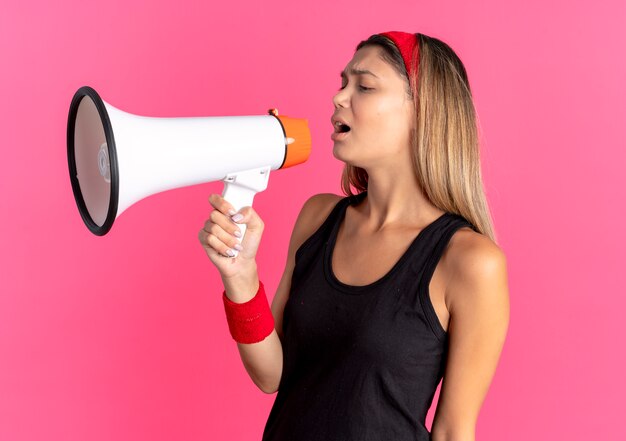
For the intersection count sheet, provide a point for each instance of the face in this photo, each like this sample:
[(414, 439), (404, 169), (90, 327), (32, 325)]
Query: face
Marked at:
[(376, 108)]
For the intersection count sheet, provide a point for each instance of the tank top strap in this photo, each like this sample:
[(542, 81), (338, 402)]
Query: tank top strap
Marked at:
[(322, 232), (436, 243)]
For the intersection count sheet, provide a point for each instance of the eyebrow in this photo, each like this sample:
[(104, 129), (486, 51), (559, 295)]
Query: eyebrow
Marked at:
[(342, 74)]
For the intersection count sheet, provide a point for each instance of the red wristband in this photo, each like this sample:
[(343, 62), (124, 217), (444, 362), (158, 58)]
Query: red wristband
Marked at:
[(251, 321)]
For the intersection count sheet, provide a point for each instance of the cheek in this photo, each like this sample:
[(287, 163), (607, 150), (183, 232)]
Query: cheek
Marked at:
[(375, 120), (386, 128), (396, 123)]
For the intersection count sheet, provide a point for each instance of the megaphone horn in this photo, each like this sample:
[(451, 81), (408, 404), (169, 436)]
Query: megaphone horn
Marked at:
[(116, 158)]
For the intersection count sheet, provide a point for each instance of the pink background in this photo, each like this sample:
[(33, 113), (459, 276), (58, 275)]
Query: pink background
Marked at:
[(123, 337)]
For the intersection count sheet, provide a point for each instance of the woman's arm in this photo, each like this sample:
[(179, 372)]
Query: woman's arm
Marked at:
[(264, 360), (478, 299)]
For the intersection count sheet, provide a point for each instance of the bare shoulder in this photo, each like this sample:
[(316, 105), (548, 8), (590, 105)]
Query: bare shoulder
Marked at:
[(314, 212), (473, 259)]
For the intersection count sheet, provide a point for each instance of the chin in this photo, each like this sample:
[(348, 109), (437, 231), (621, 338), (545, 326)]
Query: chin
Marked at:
[(338, 155), (346, 159)]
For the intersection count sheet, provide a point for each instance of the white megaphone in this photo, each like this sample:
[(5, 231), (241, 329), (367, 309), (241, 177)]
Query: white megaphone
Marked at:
[(117, 158)]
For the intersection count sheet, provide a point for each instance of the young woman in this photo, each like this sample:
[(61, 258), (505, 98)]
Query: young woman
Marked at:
[(386, 291)]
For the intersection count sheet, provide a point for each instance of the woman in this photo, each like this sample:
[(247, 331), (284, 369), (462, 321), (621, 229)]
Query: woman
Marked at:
[(395, 287)]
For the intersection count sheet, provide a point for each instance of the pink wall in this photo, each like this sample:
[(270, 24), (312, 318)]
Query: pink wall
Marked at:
[(123, 337)]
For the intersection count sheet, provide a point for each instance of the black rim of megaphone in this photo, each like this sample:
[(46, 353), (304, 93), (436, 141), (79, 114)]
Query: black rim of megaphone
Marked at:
[(108, 132)]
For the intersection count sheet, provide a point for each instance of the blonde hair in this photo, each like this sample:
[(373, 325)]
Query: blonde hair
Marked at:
[(445, 142)]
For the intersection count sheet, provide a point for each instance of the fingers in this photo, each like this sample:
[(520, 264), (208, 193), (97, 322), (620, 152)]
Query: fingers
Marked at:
[(220, 232), (246, 215), (219, 203), (251, 219), (219, 242), (225, 222), (203, 237), (228, 239), (218, 245)]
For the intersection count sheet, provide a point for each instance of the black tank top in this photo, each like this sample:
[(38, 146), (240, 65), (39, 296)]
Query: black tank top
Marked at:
[(360, 362)]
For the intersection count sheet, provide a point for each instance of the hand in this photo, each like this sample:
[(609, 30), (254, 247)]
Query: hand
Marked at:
[(218, 236)]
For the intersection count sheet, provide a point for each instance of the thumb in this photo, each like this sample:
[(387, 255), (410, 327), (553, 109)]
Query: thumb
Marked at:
[(253, 223), (249, 217)]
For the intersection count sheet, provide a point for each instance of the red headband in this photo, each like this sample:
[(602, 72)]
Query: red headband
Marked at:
[(405, 42)]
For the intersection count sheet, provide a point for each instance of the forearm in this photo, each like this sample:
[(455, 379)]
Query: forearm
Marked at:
[(262, 360), (453, 434)]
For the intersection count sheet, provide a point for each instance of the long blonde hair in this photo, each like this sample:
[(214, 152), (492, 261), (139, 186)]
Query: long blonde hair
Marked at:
[(445, 142)]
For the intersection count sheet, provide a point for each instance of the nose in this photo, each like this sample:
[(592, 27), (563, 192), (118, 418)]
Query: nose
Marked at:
[(340, 98)]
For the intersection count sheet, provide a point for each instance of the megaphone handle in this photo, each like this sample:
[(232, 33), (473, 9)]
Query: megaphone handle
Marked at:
[(238, 197), (240, 189)]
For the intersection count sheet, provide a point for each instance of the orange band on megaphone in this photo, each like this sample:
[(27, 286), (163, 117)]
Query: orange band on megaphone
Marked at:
[(299, 150)]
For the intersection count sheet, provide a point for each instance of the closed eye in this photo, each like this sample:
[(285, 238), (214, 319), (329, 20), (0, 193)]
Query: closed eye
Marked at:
[(363, 88)]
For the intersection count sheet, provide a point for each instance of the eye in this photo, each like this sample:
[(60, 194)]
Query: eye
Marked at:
[(363, 88)]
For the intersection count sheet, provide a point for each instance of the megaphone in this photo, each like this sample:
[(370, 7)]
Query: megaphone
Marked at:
[(117, 158)]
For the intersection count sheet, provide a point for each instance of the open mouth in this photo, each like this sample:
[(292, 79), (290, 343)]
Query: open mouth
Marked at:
[(341, 128)]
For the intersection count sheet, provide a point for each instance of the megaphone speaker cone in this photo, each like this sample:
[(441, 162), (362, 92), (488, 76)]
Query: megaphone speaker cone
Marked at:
[(92, 160)]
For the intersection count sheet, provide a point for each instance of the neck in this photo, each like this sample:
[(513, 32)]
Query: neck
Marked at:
[(395, 201)]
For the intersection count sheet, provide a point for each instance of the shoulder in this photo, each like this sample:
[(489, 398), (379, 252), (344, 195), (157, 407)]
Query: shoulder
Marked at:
[(323, 202), (477, 268), (313, 213)]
